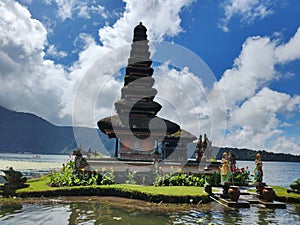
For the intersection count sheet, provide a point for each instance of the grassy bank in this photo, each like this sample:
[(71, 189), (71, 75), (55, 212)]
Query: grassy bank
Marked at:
[(283, 196), (170, 194), (38, 188)]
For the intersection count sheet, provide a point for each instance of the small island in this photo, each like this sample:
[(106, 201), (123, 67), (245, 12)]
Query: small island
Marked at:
[(150, 163)]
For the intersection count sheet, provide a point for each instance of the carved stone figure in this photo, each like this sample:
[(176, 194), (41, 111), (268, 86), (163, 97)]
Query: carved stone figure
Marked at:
[(15, 180), (232, 161), (198, 149), (258, 172), (80, 162), (225, 171)]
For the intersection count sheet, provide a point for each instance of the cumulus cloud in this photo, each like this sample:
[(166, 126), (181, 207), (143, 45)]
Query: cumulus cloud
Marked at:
[(247, 10), (256, 113), (52, 51), (251, 70), (28, 82), (161, 17), (67, 9), (33, 84), (289, 51), (287, 145)]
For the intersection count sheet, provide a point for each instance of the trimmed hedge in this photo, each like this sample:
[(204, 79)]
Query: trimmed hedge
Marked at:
[(118, 192), (40, 188)]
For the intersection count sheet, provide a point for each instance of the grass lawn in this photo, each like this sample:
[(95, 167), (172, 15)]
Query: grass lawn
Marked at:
[(282, 195), (40, 185), (171, 194)]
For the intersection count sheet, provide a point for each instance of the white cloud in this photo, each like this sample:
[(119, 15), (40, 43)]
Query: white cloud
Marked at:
[(83, 9), (287, 145), (99, 9), (256, 121), (65, 8), (52, 51), (289, 51), (83, 12), (31, 83), (258, 114), (249, 72), (19, 29), (181, 93), (151, 13), (247, 10), (28, 82)]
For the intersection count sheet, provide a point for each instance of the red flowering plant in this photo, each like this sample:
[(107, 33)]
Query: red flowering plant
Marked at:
[(240, 176)]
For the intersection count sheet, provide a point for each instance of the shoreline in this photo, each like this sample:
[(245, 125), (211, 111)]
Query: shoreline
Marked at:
[(150, 198), (112, 201)]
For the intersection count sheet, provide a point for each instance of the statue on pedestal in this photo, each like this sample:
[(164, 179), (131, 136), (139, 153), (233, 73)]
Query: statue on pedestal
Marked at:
[(15, 180), (201, 148), (232, 161), (198, 149), (225, 171), (80, 162), (258, 172)]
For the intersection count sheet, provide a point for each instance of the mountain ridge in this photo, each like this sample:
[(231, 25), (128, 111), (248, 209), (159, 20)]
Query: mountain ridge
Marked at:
[(26, 132)]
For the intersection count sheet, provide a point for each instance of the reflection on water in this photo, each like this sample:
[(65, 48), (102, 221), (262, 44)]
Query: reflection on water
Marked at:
[(101, 213), (253, 215)]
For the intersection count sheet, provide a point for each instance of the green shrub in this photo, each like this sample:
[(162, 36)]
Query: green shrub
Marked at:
[(108, 178), (178, 179), (130, 177), (68, 176), (240, 177)]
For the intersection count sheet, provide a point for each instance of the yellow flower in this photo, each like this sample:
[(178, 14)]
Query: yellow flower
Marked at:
[(179, 170), (103, 169), (82, 170)]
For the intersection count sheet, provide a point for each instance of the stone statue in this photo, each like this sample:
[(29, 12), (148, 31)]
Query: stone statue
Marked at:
[(198, 149), (205, 143), (225, 171), (258, 172), (232, 161), (15, 180), (80, 162)]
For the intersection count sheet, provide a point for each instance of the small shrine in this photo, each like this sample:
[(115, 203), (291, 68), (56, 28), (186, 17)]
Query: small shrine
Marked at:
[(136, 113)]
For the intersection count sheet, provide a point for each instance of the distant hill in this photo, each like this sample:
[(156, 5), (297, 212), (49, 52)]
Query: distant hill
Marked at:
[(25, 132), (246, 154)]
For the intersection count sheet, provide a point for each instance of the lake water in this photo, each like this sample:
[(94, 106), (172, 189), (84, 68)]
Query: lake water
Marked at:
[(31, 165), (101, 213), (275, 173)]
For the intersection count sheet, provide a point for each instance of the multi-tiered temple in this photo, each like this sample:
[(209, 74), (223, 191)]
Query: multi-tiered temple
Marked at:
[(136, 127)]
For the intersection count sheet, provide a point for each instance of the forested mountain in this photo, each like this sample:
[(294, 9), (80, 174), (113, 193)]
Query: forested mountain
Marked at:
[(246, 154), (25, 132)]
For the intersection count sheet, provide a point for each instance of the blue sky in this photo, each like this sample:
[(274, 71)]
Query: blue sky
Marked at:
[(252, 48)]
